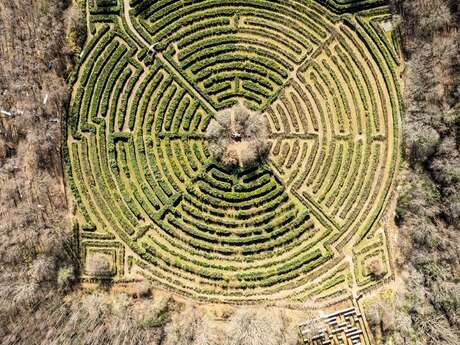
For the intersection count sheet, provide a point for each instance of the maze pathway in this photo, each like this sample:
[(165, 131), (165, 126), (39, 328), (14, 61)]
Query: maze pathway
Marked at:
[(148, 195)]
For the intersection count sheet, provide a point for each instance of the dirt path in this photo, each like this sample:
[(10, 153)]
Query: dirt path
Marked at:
[(172, 69)]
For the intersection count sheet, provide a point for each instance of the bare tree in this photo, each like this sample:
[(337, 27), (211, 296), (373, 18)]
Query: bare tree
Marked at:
[(238, 137), (375, 269), (260, 327)]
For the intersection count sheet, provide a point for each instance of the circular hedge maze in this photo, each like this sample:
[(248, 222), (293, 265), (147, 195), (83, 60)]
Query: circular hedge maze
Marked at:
[(152, 202)]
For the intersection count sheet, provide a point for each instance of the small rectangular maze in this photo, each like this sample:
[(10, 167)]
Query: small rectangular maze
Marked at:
[(344, 327)]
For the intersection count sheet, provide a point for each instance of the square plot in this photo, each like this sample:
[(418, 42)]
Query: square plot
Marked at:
[(102, 260)]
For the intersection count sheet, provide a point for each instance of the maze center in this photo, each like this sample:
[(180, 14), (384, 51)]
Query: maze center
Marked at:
[(237, 137), (150, 197)]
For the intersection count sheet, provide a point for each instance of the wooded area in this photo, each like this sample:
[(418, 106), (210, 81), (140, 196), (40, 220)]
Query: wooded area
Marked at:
[(427, 311)]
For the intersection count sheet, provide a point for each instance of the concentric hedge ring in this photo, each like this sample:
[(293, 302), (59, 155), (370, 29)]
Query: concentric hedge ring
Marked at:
[(153, 74)]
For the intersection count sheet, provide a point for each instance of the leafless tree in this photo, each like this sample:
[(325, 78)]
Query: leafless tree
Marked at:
[(238, 137)]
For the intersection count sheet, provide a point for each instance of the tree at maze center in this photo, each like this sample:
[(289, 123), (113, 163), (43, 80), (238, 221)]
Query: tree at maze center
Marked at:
[(238, 137), (158, 102)]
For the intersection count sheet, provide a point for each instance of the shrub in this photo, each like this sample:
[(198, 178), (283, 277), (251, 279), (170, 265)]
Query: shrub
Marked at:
[(65, 277), (375, 269), (142, 289)]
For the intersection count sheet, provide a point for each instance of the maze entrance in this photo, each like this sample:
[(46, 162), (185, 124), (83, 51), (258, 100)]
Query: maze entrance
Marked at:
[(150, 198)]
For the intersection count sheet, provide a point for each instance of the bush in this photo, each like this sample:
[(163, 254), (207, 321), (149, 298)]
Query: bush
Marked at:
[(375, 269), (65, 277)]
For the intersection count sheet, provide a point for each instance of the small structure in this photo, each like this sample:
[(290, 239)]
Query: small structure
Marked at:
[(345, 327)]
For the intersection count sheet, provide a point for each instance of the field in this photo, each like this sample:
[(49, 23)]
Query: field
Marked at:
[(151, 202)]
